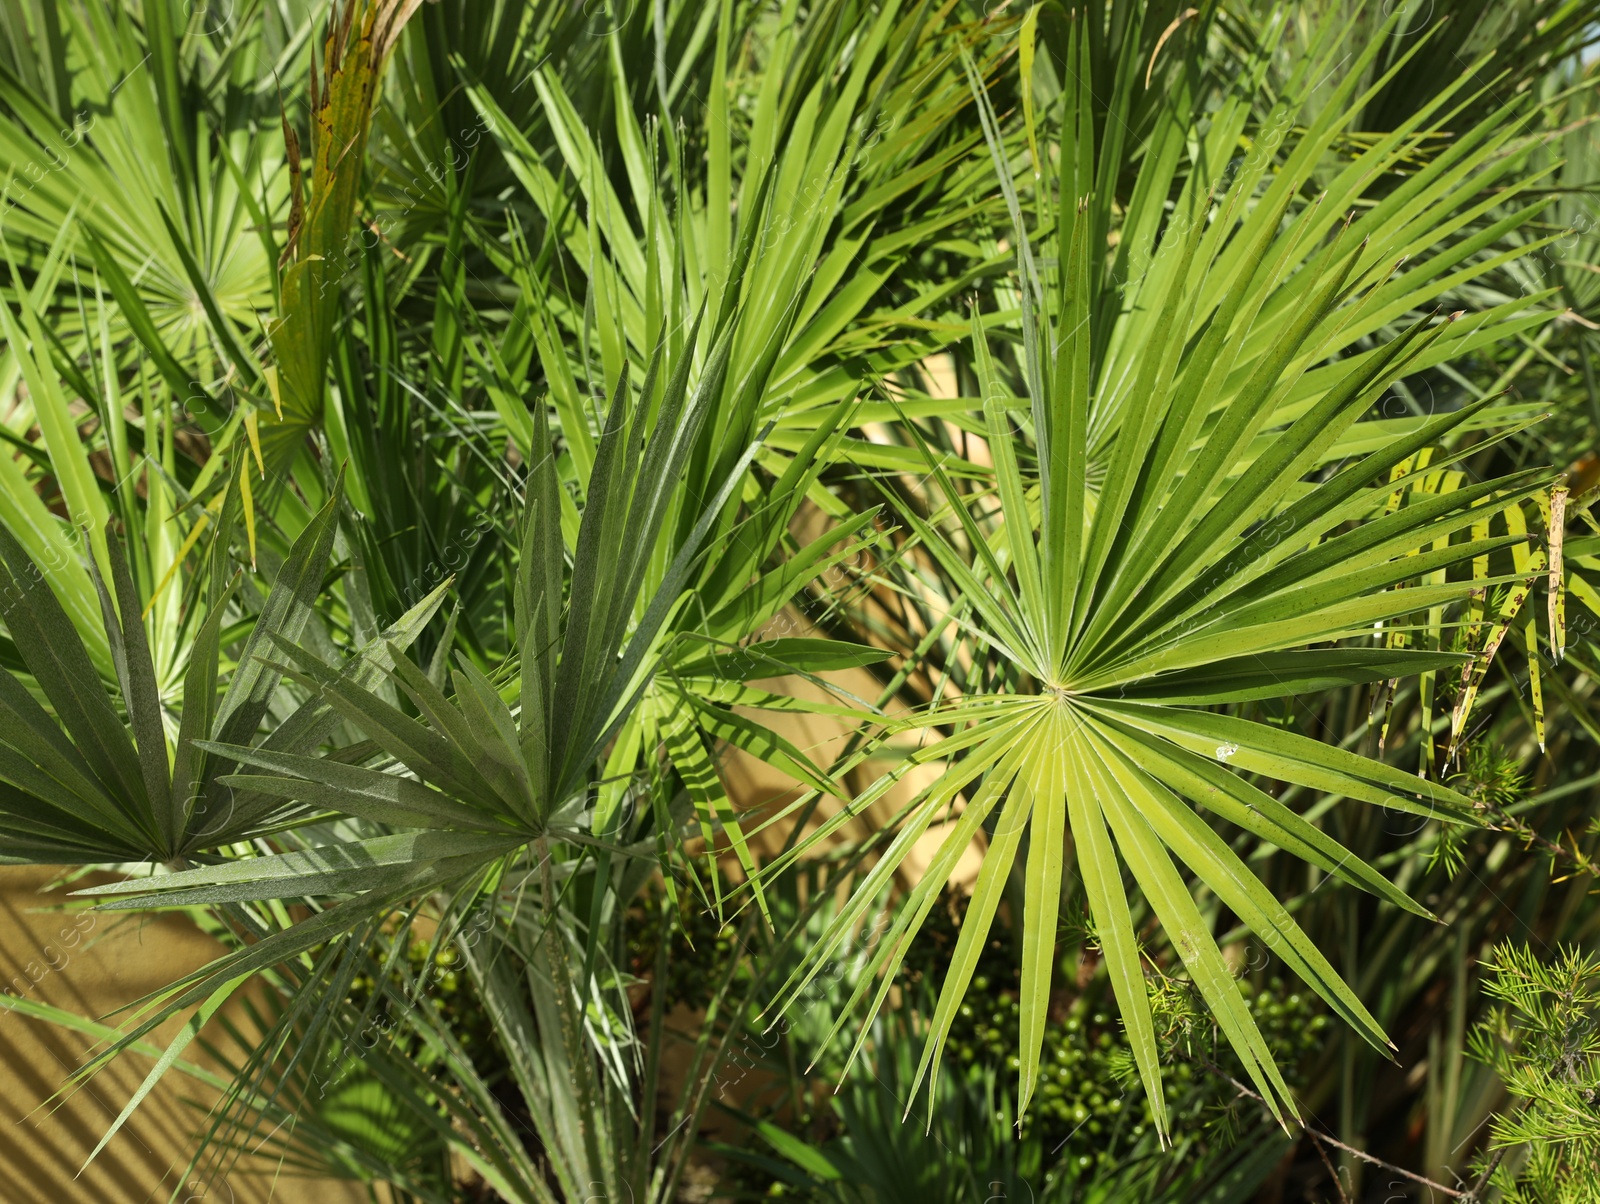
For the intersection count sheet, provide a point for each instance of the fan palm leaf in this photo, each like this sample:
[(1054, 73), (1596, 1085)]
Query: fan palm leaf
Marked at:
[(116, 776), (1147, 554)]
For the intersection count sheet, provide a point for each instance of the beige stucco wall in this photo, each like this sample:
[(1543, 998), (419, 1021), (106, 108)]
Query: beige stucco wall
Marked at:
[(93, 967)]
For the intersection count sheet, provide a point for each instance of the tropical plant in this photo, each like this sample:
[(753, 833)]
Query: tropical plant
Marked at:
[(1191, 503), (1092, 452)]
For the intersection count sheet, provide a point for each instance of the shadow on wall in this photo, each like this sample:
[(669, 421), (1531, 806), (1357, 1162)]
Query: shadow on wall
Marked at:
[(93, 964)]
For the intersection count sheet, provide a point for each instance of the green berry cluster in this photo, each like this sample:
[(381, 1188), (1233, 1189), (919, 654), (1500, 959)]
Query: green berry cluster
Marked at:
[(1088, 1105), (428, 979), (700, 945)]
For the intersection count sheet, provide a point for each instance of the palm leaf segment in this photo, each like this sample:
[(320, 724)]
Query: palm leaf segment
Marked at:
[(808, 217), (1150, 552), (120, 773)]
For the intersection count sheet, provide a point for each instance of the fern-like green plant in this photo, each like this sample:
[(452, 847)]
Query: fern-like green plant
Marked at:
[(1542, 1038)]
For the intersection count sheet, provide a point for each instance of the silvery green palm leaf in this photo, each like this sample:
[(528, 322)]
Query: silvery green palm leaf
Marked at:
[(494, 766), (497, 775), (93, 775)]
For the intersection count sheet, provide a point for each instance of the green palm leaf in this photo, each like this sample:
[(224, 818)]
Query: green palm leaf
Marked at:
[(1149, 551), (102, 775)]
